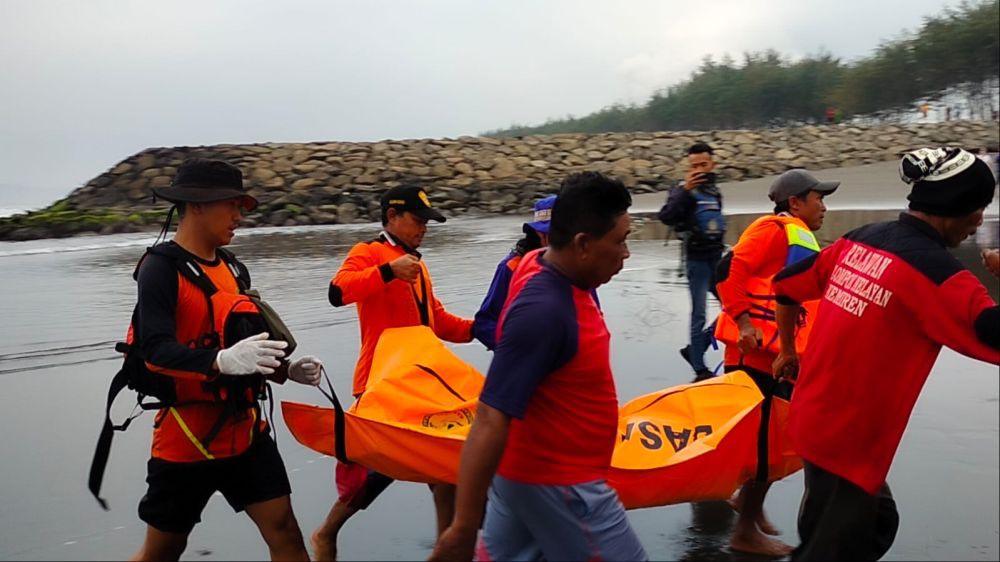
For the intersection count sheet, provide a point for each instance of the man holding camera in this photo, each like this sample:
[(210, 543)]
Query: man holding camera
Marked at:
[(694, 209)]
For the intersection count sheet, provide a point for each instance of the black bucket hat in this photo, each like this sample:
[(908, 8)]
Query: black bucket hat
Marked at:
[(203, 180)]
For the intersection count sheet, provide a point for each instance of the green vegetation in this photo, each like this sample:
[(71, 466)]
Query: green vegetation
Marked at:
[(957, 53), (62, 218)]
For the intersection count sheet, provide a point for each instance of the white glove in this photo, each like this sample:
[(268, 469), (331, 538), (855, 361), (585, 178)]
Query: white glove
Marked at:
[(254, 355), (305, 370)]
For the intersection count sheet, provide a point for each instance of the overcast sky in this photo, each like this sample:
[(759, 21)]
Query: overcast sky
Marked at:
[(86, 83)]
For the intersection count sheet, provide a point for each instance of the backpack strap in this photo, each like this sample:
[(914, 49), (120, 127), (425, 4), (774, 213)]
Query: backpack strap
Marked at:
[(103, 449), (236, 267), (187, 265)]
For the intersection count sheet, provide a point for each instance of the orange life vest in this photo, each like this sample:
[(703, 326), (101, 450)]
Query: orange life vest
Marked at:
[(199, 417), (802, 244)]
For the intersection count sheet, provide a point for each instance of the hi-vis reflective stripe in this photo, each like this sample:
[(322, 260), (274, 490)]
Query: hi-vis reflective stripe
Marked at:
[(187, 431), (798, 236)]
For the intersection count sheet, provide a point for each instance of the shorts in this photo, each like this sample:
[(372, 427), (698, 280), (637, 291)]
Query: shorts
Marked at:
[(358, 486), (540, 522), (179, 491)]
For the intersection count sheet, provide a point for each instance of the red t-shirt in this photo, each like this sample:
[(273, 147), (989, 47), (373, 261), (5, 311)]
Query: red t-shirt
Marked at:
[(891, 295), (551, 372)]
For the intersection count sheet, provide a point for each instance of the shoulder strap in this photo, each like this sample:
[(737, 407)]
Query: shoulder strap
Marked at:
[(237, 268), (186, 266)]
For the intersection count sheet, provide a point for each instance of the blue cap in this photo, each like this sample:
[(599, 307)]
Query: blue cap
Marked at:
[(543, 214)]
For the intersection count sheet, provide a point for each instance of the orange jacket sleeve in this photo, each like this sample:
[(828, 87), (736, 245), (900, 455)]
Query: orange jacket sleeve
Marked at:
[(447, 326), (763, 247), (360, 276)]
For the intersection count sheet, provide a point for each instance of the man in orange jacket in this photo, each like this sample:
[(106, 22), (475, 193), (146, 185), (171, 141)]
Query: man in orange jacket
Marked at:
[(747, 323), (392, 288)]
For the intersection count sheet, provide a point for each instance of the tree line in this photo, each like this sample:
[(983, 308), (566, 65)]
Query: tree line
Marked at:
[(954, 56)]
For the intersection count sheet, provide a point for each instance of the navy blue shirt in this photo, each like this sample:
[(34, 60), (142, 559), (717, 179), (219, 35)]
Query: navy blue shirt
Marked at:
[(539, 336)]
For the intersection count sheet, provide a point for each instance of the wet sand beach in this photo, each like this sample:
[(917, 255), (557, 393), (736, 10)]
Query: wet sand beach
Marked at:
[(66, 301)]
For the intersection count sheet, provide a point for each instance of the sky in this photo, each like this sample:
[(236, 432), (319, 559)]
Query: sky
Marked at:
[(86, 83)]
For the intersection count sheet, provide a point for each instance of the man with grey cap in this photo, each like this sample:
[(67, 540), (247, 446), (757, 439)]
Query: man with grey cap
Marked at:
[(747, 323), (891, 296)]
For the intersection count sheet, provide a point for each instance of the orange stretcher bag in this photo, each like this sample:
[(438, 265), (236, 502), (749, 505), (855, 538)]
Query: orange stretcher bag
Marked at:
[(699, 442), (412, 419), (693, 442)]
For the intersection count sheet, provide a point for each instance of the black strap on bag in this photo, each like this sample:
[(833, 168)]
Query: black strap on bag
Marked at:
[(103, 449), (763, 433), (340, 447), (767, 385)]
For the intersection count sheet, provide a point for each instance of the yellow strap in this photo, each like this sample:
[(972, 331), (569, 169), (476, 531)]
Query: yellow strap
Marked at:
[(187, 431), (798, 236)]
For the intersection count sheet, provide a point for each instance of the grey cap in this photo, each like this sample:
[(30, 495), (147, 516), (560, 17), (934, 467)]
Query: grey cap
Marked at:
[(797, 182)]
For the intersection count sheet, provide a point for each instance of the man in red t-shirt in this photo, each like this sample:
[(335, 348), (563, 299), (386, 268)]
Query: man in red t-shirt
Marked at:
[(547, 418), (891, 296)]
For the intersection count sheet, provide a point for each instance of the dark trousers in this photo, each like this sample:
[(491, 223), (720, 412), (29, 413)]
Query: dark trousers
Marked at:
[(840, 521)]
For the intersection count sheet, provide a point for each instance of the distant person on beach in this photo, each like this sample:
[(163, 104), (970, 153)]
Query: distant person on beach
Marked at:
[(209, 441), (694, 209), (392, 288), (536, 235), (892, 296), (547, 418), (747, 323)]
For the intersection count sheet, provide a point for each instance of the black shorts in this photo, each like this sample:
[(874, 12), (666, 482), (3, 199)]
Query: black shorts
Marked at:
[(179, 491)]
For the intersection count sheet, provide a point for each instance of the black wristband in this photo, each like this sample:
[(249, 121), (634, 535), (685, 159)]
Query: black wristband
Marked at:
[(386, 270)]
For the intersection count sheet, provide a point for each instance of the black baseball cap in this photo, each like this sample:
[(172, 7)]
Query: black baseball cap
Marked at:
[(796, 182), (410, 198)]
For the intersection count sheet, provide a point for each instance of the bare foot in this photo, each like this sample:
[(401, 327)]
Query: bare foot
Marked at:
[(767, 527), (755, 542), (323, 549), (736, 501)]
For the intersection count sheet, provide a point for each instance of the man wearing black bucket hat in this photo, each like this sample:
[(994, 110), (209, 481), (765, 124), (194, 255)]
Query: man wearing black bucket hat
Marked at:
[(391, 286), (891, 296), (206, 440)]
